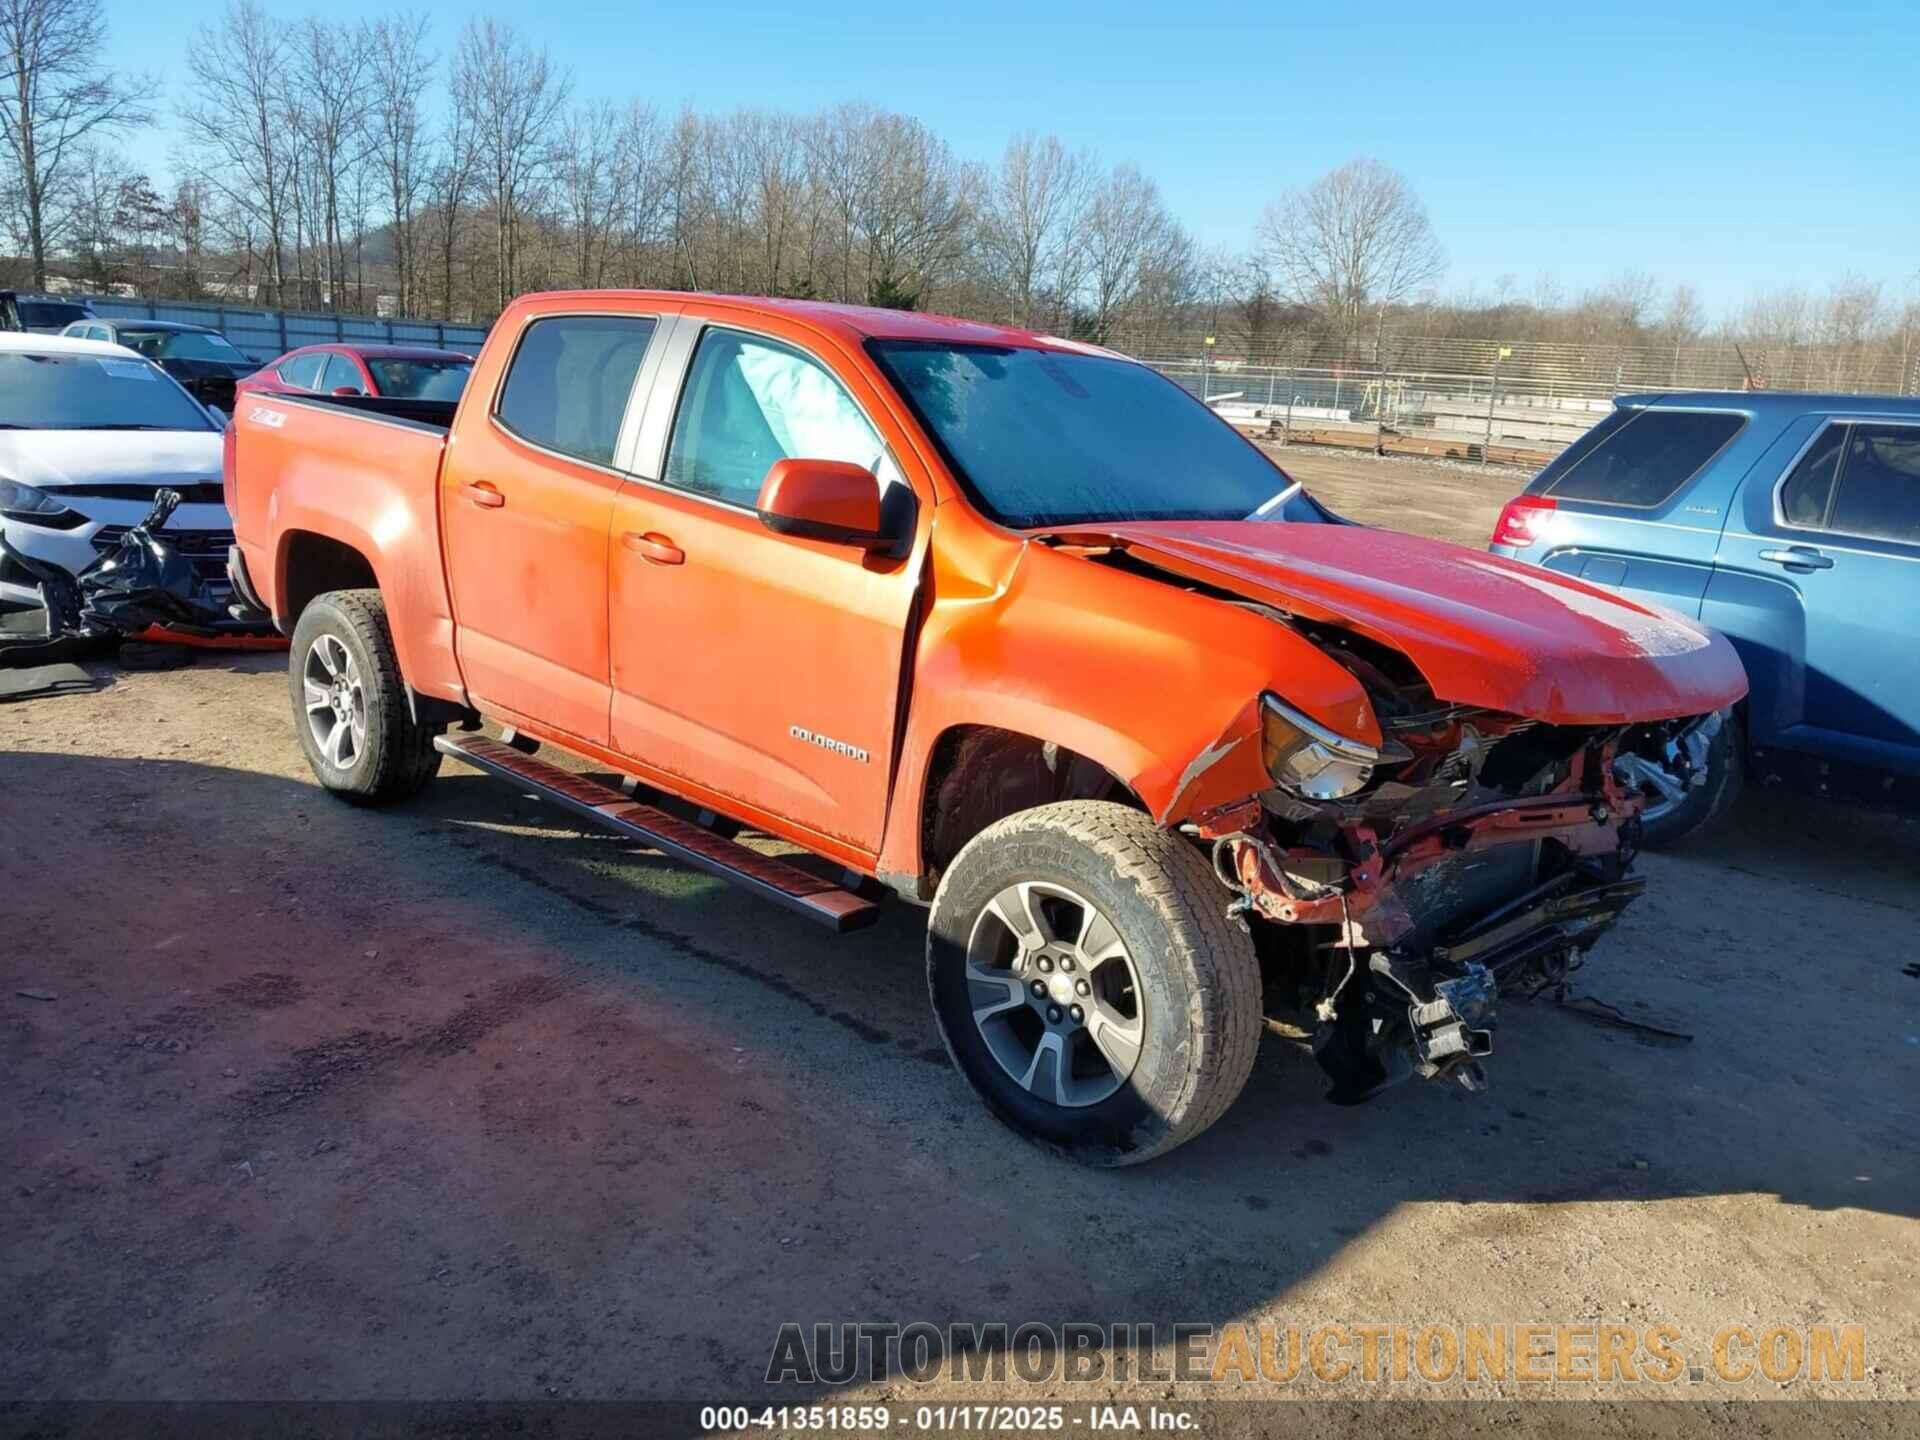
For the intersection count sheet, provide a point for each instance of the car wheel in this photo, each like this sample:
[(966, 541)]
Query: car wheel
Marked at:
[(1664, 772), (350, 705), (1088, 983)]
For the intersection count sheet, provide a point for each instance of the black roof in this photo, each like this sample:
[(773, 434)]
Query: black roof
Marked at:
[(120, 324)]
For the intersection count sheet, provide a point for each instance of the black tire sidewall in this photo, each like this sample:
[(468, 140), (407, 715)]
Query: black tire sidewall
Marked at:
[(322, 617), (1133, 1118)]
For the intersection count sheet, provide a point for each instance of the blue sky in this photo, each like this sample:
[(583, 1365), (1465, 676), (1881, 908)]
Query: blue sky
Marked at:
[(1734, 146)]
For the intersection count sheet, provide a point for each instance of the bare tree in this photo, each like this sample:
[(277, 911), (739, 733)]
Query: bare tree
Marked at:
[(1128, 234), (1355, 240), (450, 182), (329, 109), (1032, 228), (908, 215), (234, 131), (589, 157), (400, 72), (515, 98), (58, 98)]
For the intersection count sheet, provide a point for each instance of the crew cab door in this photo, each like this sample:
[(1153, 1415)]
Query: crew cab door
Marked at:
[(527, 493), (1817, 582), (764, 669)]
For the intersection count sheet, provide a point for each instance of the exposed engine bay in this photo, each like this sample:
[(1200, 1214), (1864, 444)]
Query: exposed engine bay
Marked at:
[(1395, 892)]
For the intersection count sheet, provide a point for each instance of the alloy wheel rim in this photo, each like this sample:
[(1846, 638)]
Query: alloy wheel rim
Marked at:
[(336, 701), (1659, 777), (1054, 994)]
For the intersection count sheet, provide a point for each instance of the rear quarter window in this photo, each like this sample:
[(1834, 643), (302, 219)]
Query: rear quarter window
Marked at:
[(1643, 457)]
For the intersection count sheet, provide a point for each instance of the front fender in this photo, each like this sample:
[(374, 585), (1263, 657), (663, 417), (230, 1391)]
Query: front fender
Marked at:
[(1157, 682)]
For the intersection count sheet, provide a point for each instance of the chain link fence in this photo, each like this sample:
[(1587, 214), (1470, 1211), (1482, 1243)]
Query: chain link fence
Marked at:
[(1520, 403)]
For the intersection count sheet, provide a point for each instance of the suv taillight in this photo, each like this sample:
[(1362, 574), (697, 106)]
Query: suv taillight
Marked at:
[(1524, 521)]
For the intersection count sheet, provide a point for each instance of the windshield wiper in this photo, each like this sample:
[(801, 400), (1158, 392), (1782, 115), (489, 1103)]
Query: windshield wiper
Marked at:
[(116, 427), (1280, 499)]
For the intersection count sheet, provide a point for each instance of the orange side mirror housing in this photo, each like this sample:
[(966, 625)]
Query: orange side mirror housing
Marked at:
[(824, 500)]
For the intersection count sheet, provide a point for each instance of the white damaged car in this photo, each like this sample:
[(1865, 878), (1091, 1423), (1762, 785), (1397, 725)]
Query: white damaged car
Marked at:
[(88, 433)]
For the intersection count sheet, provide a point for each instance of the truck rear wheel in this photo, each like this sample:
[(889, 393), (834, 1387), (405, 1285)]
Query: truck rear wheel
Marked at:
[(350, 705), (1088, 983)]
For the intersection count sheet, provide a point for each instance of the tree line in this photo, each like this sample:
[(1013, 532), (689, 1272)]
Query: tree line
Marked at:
[(357, 166)]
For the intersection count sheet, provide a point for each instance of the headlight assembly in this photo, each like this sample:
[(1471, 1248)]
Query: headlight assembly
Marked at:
[(36, 507), (1308, 760)]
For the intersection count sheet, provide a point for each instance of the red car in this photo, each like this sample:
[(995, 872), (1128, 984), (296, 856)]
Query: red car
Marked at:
[(392, 372)]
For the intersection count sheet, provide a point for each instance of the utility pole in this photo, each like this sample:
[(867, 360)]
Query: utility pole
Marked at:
[(1493, 396)]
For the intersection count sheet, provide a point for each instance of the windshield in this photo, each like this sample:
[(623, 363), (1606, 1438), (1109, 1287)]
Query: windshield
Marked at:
[(420, 379), (91, 392), (182, 345), (50, 314), (1042, 438)]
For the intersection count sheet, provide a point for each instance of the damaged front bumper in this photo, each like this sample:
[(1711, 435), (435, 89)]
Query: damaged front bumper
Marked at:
[(1404, 945)]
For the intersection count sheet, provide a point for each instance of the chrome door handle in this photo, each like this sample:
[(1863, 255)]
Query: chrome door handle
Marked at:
[(1798, 557)]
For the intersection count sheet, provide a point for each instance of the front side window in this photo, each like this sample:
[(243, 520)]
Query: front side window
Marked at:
[(570, 380), (1804, 497), (91, 392), (1646, 460), (748, 403), (342, 374), (1879, 491), (1044, 438)]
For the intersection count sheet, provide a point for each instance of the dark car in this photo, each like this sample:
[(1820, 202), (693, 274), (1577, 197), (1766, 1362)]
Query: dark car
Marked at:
[(203, 360), (385, 372), (40, 314), (1789, 522)]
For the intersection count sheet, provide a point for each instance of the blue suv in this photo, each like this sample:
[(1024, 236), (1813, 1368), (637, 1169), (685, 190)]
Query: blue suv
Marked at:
[(1791, 523)]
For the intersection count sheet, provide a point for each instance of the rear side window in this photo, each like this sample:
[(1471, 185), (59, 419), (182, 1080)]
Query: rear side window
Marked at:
[(570, 380), (304, 371), (1803, 499), (1879, 494), (1647, 458)]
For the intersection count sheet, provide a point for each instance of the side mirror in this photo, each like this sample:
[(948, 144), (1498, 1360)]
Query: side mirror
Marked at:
[(347, 390), (219, 416), (824, 500)]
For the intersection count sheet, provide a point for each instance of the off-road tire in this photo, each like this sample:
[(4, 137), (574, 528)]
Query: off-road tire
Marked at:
[(398, 757), (1198, 976), (1705, 805)]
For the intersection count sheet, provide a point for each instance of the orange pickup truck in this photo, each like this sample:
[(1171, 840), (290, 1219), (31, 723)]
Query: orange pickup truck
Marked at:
[(997, 622)]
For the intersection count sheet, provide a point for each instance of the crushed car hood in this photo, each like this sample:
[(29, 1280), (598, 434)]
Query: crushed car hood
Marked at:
[(1483, 630), (49, 459)]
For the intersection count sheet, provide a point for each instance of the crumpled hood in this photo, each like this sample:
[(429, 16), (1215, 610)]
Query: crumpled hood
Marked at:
[(1483, 630), (49, 459)]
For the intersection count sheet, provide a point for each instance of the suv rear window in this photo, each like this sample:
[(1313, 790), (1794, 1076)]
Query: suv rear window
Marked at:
[(1641, 457)]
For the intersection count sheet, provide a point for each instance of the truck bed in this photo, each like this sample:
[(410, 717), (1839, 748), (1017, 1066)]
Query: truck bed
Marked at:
[(352, 471)]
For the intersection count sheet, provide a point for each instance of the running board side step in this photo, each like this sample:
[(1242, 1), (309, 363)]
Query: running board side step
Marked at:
[(771, 879)]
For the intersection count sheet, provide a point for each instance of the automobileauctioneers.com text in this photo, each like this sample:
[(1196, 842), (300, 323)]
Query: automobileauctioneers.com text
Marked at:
[(1330, 1354)]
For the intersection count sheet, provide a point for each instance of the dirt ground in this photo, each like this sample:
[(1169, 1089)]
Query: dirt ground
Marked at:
[(456, 1101)]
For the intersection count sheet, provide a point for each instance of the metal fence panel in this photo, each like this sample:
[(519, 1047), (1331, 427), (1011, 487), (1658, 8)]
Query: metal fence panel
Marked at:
[(264, 334)]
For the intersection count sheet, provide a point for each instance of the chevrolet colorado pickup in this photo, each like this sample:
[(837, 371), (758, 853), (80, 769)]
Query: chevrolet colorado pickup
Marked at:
[(1001, 623)]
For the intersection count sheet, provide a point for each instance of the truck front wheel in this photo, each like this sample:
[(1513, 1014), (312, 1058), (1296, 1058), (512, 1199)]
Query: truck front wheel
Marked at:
[(1088, 983), (350, 705)]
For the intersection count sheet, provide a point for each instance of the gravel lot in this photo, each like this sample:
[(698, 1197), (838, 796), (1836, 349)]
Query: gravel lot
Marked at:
[(455, 1100)]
